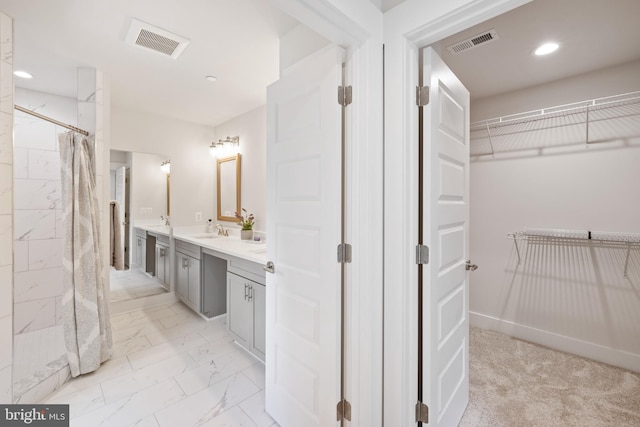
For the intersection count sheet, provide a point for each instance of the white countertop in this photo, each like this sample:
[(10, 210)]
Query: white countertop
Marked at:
[(165, 230), (232, 245)]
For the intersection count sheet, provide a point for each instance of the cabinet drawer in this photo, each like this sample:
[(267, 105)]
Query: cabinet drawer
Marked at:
[(162, 239), (247, 269), (141, 233), (188, 249)]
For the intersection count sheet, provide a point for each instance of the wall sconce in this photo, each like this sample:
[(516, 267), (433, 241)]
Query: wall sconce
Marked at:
[(166, 166), (225, 147)]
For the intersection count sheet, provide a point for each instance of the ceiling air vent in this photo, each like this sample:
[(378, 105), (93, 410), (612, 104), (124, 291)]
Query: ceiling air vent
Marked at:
[(155, 38), (470, 43)]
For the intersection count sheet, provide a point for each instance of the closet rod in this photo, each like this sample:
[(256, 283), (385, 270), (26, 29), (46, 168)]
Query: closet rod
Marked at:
[(49, 119)]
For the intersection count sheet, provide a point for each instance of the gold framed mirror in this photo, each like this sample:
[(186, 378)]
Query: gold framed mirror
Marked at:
[(228, 183)]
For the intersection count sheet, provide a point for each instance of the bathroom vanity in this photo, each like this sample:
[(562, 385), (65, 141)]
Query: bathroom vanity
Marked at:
[(217, 275), (152, 252)]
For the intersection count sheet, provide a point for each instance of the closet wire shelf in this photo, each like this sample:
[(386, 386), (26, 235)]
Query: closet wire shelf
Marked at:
[(540, 235), (597, 120)]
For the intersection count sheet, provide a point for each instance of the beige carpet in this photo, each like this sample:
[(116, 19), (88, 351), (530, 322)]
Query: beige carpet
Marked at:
[(516, 383)]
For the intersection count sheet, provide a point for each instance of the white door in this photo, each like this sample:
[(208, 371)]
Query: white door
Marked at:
[(303, 204), (446, 232), (121, 188)]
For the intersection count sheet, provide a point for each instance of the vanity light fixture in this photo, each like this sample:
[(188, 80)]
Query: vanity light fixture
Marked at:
[(166, 166), (546, 48), (22, 74), (225, 147)]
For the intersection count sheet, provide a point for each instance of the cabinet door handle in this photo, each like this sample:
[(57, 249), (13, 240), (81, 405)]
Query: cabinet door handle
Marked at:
[(185, 262), (250, 293), (246, 291)]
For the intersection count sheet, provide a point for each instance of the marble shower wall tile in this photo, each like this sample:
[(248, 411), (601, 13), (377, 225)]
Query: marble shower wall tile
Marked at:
[(6, 291), (6, 384), (6, 87), (5, 351), (6, 240), (20, 255), (20, 163), (45, 254), (33, 315), (6, 39), (37, 284), (31, 132), (6, 137), (37, 193), (44, 164), (6, 214), (34, 225), (6, 175)]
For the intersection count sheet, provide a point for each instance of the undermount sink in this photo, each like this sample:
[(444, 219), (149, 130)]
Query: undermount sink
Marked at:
[(204, 236)]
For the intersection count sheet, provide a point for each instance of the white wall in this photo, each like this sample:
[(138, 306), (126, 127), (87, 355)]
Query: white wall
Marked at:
[(571, 297), (251, 127), (596, 84), (185, 144), (298, 43)]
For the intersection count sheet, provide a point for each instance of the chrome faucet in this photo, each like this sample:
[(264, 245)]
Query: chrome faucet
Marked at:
[(165, 219), (222, 231)]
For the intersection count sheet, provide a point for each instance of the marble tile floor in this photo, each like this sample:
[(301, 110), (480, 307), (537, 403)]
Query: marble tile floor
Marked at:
[(170, 368), (132, 284)]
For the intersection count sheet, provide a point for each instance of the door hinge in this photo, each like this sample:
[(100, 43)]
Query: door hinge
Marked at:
[(344, 253), (422, 95), (344, 410), (422, 413), (422, 254), (345, 95)]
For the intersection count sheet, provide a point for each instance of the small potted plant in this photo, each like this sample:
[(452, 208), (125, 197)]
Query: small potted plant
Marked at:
[(246, 221)]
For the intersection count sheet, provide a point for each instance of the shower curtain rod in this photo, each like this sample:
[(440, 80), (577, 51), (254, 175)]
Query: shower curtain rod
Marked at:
[(49, 119)]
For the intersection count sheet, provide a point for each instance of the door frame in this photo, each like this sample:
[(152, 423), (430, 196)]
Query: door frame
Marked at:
[(382, 225), (407, 28), (356, 26)]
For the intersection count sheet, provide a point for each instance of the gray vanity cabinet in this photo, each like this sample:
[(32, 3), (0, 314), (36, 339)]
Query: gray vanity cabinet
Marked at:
[(246, 305), (240, 309), (163, 264), (188, 274), (141, 249), (259, 317)]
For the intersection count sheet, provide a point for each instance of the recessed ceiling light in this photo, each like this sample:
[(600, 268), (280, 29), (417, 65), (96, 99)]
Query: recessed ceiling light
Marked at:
[(211, 78), (546, 48), (23, 74)]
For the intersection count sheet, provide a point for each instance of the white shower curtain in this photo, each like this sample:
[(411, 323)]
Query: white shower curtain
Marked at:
[(87, 328)]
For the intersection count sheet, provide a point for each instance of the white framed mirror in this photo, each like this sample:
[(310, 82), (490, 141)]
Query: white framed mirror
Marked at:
[(228, 183)]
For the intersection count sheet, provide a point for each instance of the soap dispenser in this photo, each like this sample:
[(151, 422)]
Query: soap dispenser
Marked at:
[(209, 226)]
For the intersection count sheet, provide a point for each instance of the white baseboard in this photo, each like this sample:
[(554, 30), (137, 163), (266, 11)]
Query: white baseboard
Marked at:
[(589, 350)]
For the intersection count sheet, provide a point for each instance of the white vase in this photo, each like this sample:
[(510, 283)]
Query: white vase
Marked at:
[(246, 234)]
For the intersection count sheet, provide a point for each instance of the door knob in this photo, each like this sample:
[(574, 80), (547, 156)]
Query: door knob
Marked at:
[(470, 266), (269, 267)]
